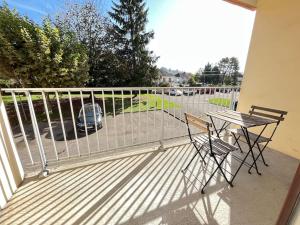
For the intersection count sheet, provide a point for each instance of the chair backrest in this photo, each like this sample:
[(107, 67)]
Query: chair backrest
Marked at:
[(274, 114), (197, 122)]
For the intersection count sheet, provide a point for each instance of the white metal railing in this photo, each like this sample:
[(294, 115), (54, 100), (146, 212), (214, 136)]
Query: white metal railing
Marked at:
[(46, 131)]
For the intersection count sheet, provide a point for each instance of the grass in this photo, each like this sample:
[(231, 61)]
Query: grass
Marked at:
[(113, 104), (8, 98), (151, 102), (225, 102)]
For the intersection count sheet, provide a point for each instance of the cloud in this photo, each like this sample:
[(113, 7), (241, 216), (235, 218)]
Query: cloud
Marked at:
[(27, 7)]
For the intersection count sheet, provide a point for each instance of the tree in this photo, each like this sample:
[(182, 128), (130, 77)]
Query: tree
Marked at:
[(64, 59), (228, 67), (192, 82), (225, 72), (216, 75), (6, 83), (164, 84), (35, 56), (234, 80), (130, 38), (227, 80), (90, 28), (14, 30), (210, 74)]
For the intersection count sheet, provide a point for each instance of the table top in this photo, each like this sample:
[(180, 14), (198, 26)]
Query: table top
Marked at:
[(242, 119)]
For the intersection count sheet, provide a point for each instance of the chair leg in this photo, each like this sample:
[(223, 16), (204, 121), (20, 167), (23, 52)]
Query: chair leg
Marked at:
[(211, 176), (198, 152), (237, 142), (260, 153), (189, 163), (219, 166)]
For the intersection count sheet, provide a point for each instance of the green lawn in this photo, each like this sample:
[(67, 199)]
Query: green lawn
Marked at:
[(132, 103), (151, 102), (8, 98), (225, 102)]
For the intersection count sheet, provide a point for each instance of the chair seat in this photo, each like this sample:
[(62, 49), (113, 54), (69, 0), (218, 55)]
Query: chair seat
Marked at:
[(252, 136), (219, 147)]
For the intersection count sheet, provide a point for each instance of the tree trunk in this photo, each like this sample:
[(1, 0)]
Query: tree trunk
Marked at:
[(49, 103), (22, 107)]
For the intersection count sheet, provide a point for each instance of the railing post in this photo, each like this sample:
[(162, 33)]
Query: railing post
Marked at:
[(49, 124), (161, 147), (62, 122), (37, 134), (232, 99), (22, 126)]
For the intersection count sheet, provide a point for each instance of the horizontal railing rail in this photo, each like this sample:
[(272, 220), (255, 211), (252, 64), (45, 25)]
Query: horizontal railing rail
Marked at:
[(58, 124), (108, 88)]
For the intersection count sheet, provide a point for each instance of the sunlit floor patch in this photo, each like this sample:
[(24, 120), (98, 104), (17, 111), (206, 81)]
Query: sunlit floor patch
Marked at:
[(150, 188)]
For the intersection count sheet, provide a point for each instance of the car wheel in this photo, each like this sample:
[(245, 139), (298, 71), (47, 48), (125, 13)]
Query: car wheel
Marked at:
[(99, 126)]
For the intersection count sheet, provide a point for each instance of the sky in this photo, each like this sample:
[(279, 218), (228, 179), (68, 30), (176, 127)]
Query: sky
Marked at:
[(188, 33)]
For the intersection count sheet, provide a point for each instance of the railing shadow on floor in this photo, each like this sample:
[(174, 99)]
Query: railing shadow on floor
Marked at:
[(136, 172), (142, 188)]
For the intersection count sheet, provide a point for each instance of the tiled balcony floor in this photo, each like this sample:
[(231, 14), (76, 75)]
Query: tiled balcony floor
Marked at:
[(149, 188)]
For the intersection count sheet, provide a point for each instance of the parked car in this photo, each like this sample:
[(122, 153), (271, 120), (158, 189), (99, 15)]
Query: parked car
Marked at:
[(189, 92), (158, 91), (223, 90), (90, 119), (175, 92), (207, 91)]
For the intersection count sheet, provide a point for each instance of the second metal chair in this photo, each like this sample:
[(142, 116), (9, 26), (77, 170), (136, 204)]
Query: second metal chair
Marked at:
[(274, 114)]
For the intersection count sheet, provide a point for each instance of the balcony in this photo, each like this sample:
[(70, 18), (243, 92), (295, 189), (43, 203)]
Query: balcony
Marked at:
[(147, 187), (129, 171)]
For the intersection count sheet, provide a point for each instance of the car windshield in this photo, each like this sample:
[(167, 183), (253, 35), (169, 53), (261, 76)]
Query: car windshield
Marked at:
[(89, 112)]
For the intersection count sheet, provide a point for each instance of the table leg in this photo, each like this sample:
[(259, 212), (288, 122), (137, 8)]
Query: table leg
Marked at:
[(245, 131), (212, 121), (224, 126)]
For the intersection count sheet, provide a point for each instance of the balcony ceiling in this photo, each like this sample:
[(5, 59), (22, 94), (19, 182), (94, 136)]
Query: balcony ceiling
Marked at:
[(248, 4)]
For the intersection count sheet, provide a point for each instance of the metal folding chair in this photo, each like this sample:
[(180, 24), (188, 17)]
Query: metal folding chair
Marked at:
[(273, 114), (210, 145)]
